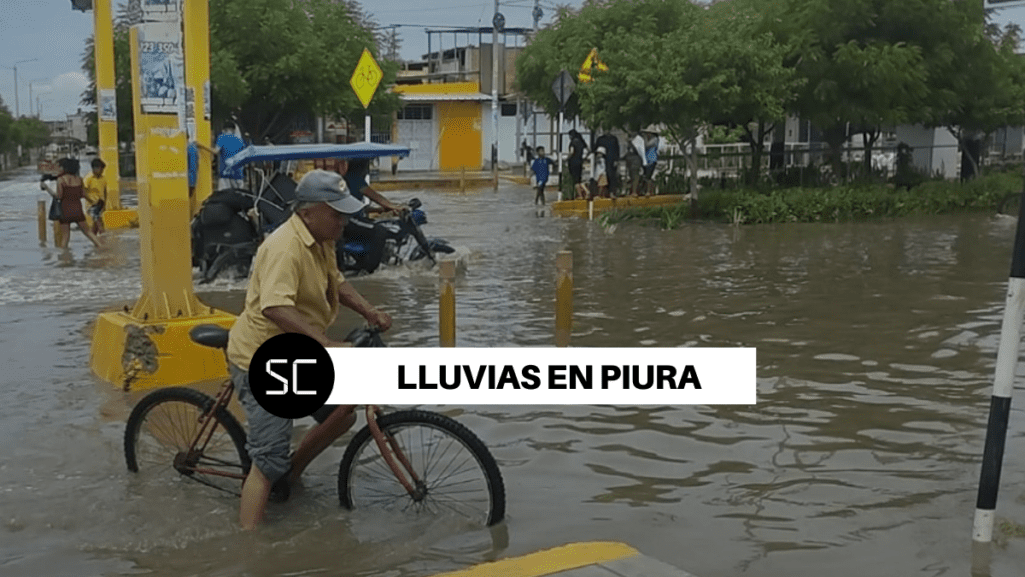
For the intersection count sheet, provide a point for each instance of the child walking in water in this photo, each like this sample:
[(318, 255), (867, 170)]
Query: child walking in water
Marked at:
[(541, 166)]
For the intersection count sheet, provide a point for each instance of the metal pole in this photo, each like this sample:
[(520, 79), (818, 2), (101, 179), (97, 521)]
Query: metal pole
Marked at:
[(447, 306), (1003, 384), (494, 100), (41, 213), (16, 112)]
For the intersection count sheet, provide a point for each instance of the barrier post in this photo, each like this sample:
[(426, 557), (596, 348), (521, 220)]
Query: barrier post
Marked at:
[(447, 307), (41, 210), (57, 233), (563, 298)]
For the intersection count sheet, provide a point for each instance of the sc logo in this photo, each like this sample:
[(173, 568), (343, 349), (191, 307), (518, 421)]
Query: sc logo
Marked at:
[(291, 375)]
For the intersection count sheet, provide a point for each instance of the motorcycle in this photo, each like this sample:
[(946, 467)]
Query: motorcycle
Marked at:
[(231, 224), (404, 241)]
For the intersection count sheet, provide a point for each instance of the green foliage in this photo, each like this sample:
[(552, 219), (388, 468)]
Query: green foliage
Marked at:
[(26, 131), (272, 61), (844, 203), (277, 59)]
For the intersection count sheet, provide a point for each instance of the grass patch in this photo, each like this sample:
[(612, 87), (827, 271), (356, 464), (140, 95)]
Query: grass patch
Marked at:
[(836, 204)]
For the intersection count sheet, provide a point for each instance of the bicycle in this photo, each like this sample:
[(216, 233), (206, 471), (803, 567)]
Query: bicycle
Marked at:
[(410, 460)]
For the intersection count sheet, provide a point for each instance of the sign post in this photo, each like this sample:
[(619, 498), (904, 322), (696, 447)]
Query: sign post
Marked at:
[(563, 88), (365, 80)]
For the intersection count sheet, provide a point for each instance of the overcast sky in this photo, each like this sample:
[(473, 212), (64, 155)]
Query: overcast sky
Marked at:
[(51, 35)]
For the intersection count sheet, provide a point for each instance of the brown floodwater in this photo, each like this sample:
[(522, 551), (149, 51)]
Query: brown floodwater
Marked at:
[(876, 345)]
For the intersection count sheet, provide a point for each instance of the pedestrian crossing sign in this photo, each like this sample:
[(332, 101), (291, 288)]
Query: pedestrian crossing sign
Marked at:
[(590, 64)]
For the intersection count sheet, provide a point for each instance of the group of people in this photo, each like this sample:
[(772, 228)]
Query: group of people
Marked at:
[(68, 195), (641, 159)]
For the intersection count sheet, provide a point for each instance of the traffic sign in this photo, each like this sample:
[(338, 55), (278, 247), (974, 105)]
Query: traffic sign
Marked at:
[(563, 87), (366, 78), (590, 63)]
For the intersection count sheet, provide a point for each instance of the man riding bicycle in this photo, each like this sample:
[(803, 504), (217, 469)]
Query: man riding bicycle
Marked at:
[(295, 286)]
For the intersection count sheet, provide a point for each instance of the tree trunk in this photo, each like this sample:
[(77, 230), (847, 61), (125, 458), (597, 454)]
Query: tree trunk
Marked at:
[(757, 143), (835, 137)]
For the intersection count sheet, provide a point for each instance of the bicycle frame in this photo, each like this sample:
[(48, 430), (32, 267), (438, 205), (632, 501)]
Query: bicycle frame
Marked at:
[(386, 443)]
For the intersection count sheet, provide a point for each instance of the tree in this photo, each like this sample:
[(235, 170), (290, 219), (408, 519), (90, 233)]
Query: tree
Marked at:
[(862, 62), (273, 61), (670, 62), (978, 85)]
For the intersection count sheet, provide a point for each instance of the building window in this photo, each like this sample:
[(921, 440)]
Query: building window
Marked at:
[(509, 109), (415, 112)]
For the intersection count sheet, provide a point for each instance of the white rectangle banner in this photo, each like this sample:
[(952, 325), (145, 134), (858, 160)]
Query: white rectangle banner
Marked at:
[(543, 376)]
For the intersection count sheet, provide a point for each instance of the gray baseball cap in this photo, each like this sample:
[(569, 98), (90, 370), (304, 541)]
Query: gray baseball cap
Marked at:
[(324, 186)]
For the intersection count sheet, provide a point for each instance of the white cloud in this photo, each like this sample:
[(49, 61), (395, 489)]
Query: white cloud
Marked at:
[(61, 96)]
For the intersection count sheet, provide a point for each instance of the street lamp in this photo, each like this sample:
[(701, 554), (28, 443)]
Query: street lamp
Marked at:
[(14, 67)]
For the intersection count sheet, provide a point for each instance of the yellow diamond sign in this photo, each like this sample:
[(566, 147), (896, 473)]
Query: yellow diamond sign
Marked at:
[(366, 78), (590, 64)]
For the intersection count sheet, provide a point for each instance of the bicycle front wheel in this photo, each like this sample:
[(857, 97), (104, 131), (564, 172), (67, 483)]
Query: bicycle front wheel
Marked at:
[(163, 441), (456, 472)]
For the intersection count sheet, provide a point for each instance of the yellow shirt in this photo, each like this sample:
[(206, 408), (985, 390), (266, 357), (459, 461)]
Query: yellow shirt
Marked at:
[(290, 269), (95, 188)]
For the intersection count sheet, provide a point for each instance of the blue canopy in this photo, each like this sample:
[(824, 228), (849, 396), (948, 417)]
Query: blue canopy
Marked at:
[(308, 151)]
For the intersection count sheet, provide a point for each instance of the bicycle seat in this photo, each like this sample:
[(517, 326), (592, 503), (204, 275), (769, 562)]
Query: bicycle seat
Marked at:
[(210, 336)]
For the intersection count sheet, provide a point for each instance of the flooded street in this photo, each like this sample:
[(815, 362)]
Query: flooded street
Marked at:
[(876, 346)]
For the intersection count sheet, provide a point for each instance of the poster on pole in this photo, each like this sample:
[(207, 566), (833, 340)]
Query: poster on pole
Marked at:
[(161, 69), (160, 10), (108, 105)]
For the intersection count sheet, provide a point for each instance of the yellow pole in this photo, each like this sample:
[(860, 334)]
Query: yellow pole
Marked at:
[(563, 298), (164, 210), (103, 54), (447, 308), (41, 210), (149, 345), (196, 17)]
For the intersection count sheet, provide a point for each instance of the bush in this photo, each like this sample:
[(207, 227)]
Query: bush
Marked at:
[(842, 203)]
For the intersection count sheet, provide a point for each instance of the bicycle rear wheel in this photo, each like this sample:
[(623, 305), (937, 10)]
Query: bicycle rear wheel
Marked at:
[(457, 472), (161, 431)]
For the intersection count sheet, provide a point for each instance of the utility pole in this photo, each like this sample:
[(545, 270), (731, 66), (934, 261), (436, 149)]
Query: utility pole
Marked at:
[(537, 13), (17, 111), (497, 22)]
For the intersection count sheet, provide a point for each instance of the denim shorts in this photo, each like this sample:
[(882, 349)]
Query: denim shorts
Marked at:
[(270, 436)]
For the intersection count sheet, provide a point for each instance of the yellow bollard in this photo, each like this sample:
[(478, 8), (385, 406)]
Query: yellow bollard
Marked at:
[(57, 233), (41, 209), (563, 298), (447, 307)]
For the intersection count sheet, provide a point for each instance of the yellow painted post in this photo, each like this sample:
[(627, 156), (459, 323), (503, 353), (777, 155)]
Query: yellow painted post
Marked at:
[(57, 233), (103, 34), (563, 298), (41, 210), (148, 345), (447, 308), (196, 18)]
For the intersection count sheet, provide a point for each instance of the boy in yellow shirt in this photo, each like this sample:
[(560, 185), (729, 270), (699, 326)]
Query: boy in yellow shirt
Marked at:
[(96, 194)]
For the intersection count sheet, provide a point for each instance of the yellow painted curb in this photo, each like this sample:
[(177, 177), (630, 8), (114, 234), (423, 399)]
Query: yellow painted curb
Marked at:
[(134, 354), (124, 218), (550, 561)]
